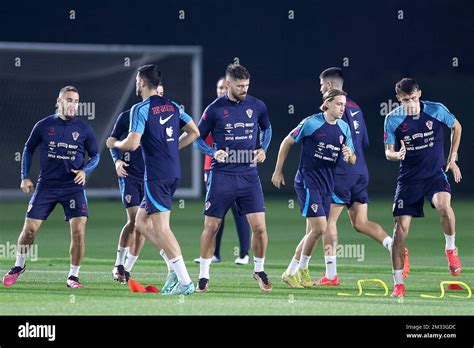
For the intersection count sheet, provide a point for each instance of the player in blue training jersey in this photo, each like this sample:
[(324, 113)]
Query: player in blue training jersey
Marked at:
[(155, 124), (350, 190), (130, 171), (417, 126), (324, 137), (235, 121), (241, 223), (64, 140)]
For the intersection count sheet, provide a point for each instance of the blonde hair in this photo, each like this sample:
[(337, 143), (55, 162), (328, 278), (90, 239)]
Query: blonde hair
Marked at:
[(329, 96)]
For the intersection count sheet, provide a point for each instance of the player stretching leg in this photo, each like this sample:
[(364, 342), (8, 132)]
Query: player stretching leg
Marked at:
[(418, 127), (64, 140), (234, 121), (154, 125), (324, 136)]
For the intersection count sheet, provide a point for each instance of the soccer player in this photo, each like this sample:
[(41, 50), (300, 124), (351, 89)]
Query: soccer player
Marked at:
[(161, 90), (64, 140), (130, 172), (234, 121), (241, 223), (417, 126), (154, 125), (350, 190), (324, 137)]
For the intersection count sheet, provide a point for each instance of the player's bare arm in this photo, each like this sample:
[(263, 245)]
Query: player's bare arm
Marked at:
[(456, 131), (393, 155), (277, 178), (130, 143), (191, 133)]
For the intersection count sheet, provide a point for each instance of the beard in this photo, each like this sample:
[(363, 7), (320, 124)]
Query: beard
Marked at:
[(239, 97)]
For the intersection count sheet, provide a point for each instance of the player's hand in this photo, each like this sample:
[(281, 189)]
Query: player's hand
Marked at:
[(80, 178), (346, 152), (402, 152), (220, 156), (110, 142), (27, 185), (120, 168), (455, 169), (259, 156), (278, 179)]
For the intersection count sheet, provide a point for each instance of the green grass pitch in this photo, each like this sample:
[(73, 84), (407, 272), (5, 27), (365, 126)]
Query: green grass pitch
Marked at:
[(41, 289)]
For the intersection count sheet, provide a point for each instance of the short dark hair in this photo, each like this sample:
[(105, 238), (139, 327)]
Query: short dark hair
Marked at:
[(332, 74), (237, 72), (68, 89), (407, 86), (151, 74)]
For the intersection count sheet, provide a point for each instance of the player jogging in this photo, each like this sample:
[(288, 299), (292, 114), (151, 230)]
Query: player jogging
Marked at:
[(417, 127), (64, 140), (324, 138)]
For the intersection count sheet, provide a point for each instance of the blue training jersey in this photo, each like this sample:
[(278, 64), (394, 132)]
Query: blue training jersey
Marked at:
[(63, 146), (321, 147), (354, 117), (134, 159), (423, 137), (159, 120), (235, 128)]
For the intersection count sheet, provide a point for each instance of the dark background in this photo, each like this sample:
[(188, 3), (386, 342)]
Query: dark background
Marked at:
[(286, 56)]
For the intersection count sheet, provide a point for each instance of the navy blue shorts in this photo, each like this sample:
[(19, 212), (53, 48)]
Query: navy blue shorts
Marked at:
[(131, 191), (44, 200), (409, 197), (312, 202), (159, 195), (224, 190), (350, 188)]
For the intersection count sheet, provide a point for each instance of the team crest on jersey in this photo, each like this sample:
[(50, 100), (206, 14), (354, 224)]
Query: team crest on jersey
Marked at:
[(128, 198), (341, 138), (249, 112), (356, 125), (207, 205), (314, 207), (169, 131), (75, 135), (429, 124), (226, 113)]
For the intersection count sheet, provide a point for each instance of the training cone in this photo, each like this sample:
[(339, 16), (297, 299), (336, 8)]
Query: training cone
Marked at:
[(136, 286), (454, 287)]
